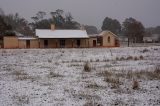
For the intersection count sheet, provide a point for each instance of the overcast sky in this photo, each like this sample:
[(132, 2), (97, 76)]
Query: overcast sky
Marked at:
[(91, 12)]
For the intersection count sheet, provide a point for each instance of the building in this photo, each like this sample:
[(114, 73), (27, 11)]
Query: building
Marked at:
[(53, 38), (28, 42), (104, 39), (154, 38), (108, 39), (13, 42), (10, 42)]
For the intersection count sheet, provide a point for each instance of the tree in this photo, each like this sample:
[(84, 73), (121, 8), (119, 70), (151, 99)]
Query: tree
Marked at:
[(40, 15), (91, 29), (18, 24), (157, 30), (69, 23), (133, 29), (1, 12), (64, 22), (4, 26), (112, 25)]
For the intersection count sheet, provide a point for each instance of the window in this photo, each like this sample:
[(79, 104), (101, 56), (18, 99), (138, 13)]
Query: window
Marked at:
[(45, 43), (109, 39), (62, 43)]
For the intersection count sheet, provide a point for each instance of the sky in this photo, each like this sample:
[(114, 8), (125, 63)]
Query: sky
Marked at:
[(90, 12)]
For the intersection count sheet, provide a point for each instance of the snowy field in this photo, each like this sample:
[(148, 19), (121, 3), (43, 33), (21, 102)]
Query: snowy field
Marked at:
[(80, 77)]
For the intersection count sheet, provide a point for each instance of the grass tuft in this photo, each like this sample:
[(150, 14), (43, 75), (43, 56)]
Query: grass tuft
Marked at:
[(87, 67), (135, 85)]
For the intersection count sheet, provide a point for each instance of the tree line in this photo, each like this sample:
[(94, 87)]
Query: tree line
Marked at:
[(131, 28)]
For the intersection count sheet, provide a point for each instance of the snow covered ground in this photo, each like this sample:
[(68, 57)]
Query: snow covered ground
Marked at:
[(56, 77)]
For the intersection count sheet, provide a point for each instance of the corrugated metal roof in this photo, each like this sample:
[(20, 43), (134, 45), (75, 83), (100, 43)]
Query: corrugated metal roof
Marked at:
[(26, 38), (45, 33), (106, 31)]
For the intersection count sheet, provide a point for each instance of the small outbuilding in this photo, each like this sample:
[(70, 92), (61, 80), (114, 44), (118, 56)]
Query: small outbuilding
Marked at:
[(108, 39), (10, 42), (28, 42)]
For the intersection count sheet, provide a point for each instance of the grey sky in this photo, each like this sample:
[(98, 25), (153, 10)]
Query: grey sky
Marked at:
[(91, 12)]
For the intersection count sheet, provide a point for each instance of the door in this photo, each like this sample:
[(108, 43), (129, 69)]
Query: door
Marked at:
[(45, 43), (78, 43), (28, 43), (94, 43)]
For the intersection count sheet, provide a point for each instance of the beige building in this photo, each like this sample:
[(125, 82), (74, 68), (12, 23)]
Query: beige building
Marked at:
[(93, 40), (28, 42), (52, 38), (108, 39), (10, 42)]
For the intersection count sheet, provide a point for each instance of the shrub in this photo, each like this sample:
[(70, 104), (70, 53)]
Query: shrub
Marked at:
[(129, 58), (141, 57), (97, 60), (122, 58), (135, 85), (117, 59), (52, 74), (145, 50), (49, 60), (135, 58), (87, 67)]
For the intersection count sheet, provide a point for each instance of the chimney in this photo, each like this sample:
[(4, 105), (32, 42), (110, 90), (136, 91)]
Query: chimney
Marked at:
[(82, 27), (52, 26)]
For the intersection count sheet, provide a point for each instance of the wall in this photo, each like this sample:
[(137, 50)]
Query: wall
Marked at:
[(105, 40), (10, 42), (69, 43), (33, 43), (91, 41)]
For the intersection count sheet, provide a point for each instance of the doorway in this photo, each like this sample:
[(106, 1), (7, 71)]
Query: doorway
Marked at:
[(28, 43), (94, 43), (78, 43), (45, 43)]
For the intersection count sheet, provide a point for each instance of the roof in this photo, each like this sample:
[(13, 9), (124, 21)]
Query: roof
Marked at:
[(26, 38), (47, 33), (93, 35), (105, 32)]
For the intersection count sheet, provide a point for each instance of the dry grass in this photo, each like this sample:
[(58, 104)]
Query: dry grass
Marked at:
[(21, 100), (21, 75), (145, 50), (130, 58), (94, 86), (85, 96), (91, 103), (53, 75)]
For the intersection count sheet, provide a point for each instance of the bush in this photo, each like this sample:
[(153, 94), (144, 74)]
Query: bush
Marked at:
[(135, 58), (141, 57), (129, 58), (87, 67), (52, 75), (135, 85)]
